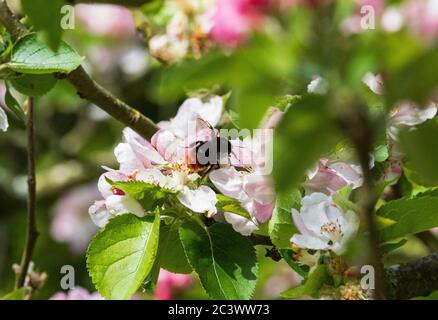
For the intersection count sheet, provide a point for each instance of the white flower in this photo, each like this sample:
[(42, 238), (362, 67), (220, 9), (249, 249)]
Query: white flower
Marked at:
[(409, 115), (318, 86), (323, 224), (102, 211), (4, 124), (201, 200)]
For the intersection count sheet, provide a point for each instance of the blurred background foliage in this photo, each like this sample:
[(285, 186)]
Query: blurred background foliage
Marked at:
[(75, 138)]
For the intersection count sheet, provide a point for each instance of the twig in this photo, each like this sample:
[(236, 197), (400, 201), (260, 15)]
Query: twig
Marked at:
[(32, 231), (358, 128), (86, 87), (414, 279)]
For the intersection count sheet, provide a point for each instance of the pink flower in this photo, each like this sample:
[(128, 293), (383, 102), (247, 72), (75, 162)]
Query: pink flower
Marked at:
[(78, 293), (169, 284), (422, 17), (374, 82), (107, 20), (234, 19)]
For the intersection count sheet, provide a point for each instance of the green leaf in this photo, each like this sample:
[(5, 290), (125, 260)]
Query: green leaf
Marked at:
[(306, 132), (30, 55), (405, 84), (34, 85), (224, 260), (412, 215), (311, 286), (13, 105), (45, 16), (420, 148), (18, 294), (122, 254), (388, 247), (171, 252), (281, 226), (149, 195), (227, 204), (288, 256)]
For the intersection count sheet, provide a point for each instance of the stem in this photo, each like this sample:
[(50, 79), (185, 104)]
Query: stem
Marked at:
[(32, 231), (86, 87), (89, 89), (359, 129)]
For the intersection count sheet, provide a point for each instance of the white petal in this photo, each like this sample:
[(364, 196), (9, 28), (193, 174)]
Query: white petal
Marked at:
[(118, 205), (104, 187), (127, 158), (308, 242), (240, 224), (153, 176), (211, 111), (199, 200), (99, 214), (318, 86), (4, 124)]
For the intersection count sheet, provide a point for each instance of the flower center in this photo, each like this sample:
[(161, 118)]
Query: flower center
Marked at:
[(332, 230)]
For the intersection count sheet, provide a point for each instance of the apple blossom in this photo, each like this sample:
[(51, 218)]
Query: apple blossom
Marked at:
[(374, 82), (169, 284), (323, 225), (252, 190), (409, 115), (4, 124)]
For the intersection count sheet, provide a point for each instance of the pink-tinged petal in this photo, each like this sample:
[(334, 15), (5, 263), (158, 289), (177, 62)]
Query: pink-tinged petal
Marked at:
[(374, 82), (229, 182), (240, 224), (258, 187), (142, 149), (127, 158), (99, 213), (78, 293), (200, 200), (308, 242), (352, 174), (263, 212), (104, 187), (59, 296), (324, 180), (153, 176), (299, 223)]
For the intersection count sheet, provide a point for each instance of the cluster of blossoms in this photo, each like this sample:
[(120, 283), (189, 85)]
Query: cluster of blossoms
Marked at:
[(194, 26), (165, 162)]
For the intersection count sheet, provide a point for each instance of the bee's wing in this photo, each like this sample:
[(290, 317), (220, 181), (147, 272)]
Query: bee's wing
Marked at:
[(204, 129)]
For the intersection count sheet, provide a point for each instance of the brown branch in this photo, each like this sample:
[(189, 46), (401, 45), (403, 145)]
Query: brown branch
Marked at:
[(32, 231), (414, 279), (360, 131), (86, 87)]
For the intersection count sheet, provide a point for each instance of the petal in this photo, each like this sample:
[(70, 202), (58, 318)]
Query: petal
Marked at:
[(104, 187), (118, 205), (4, 124), (259, 188), (308, 242), (99, 214), (211, 111), (153, 176), (199, 200), (127, 158), (240, 224), (263, 212), (229, 182)]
